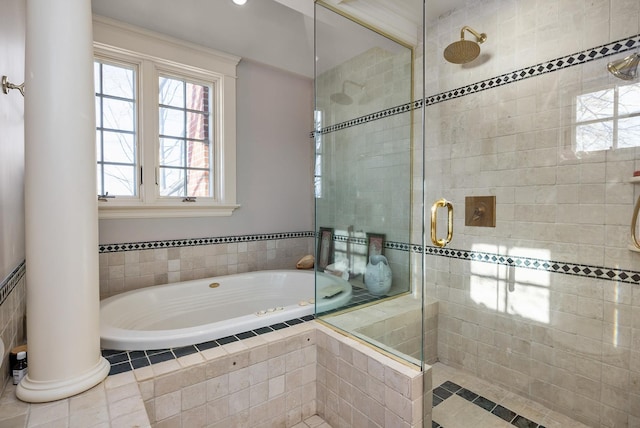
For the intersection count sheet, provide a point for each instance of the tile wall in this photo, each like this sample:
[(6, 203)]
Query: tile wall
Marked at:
[(366, 166), (125, 267), (562, 337), (282, 378), (359, 387)]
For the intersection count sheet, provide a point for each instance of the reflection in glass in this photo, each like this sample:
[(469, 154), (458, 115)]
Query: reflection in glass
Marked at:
[(363, 176)]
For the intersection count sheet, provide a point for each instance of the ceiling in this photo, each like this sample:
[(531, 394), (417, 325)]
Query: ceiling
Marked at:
[(278, 33)]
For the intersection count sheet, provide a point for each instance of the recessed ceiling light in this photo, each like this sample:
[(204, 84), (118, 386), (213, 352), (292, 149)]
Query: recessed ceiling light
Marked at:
[(239, 2)]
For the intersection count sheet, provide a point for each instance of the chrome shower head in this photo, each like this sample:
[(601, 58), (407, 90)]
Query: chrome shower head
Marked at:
[(342, 97), (464, 51), (625, 68)]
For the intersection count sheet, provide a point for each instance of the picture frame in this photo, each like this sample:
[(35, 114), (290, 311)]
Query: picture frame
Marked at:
[(324, 256), (375, 244)]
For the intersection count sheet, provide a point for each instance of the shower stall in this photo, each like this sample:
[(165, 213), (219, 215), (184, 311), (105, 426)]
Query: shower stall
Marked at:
[(530, 141)]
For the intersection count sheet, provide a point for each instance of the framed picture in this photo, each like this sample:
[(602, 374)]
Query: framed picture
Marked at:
[(375, 244), (324, 256)]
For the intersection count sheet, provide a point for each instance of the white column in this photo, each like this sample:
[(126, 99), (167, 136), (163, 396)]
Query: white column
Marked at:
[(60, 203)]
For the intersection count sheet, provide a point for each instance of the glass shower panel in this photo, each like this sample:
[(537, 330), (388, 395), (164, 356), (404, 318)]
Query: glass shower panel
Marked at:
[(364, 140)]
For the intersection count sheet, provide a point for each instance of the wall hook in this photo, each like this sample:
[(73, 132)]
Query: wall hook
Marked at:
[(6, 86)]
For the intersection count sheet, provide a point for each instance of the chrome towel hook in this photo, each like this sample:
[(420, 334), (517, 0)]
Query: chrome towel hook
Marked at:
[(6, 86)]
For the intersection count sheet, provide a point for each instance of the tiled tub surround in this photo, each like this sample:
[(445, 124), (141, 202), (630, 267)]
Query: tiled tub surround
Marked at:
[(276, 379), (125, 267), (12, 316)]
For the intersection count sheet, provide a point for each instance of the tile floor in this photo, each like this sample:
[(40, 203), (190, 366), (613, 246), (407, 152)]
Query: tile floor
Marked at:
[(313, 422), (462, 400)]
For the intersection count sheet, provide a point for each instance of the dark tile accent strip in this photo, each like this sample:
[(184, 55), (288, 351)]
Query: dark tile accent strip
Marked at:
[(245, 335), (9, 283), (448, 388), (134, 246), (119, 368), (451, 387), (207, 345), (442, 393), (504, 413), (163, 356), (485, 403), (140, 362), (226, 340), (578, 58), (124, 361), (185, 350)]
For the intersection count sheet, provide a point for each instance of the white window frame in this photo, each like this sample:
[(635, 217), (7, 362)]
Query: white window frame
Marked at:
[(614, 119), (155, 54)]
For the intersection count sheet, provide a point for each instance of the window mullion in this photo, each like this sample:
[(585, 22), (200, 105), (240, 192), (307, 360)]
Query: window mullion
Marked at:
[(147, 130)]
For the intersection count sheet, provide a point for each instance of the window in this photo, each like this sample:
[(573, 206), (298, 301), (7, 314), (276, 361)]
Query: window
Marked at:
[(608, 119), (116, 142), (184, 155), (165, 125)]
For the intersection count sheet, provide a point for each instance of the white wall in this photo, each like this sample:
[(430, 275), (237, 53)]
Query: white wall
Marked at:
[(275, 154), (12, 42)]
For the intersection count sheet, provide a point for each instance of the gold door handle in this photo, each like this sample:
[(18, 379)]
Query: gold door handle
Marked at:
[(634, 224), (438, 204)]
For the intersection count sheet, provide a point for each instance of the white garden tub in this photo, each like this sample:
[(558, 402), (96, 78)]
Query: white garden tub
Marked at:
[(191, 312)]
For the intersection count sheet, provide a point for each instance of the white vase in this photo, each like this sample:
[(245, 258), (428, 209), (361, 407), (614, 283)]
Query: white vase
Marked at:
[(377, 276)]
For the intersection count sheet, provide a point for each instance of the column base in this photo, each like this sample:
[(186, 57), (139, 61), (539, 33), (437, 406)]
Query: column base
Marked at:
[(33, 391)]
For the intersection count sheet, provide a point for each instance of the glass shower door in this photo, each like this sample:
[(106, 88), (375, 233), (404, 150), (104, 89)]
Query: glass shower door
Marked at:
[(367, 133)]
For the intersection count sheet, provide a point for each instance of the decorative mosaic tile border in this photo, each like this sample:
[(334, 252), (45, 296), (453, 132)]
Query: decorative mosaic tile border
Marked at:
[(448, 388), (391, 245), (599, 52), (151, 245), (575, 269), (10, 282)]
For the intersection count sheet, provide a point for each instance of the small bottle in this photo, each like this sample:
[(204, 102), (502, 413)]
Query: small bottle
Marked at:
[(20, 368)]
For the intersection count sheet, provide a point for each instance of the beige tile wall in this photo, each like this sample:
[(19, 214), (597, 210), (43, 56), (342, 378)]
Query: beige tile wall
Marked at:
[(282, 378), (571, 343), (264, 381), (13, 325), (359, 387), (402, 332), (128, 270)]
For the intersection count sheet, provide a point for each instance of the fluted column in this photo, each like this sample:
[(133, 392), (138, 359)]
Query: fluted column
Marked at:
[(60, 203)]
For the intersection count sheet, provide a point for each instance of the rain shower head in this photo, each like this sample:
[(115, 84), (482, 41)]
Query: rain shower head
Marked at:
[(625, 68), (464, 51), (342, 97)]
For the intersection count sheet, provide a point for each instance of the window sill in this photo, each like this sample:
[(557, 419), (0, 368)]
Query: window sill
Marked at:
[(106, 211)]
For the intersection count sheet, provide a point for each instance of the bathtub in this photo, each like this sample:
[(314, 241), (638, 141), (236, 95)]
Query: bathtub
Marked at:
[(191, 312)]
